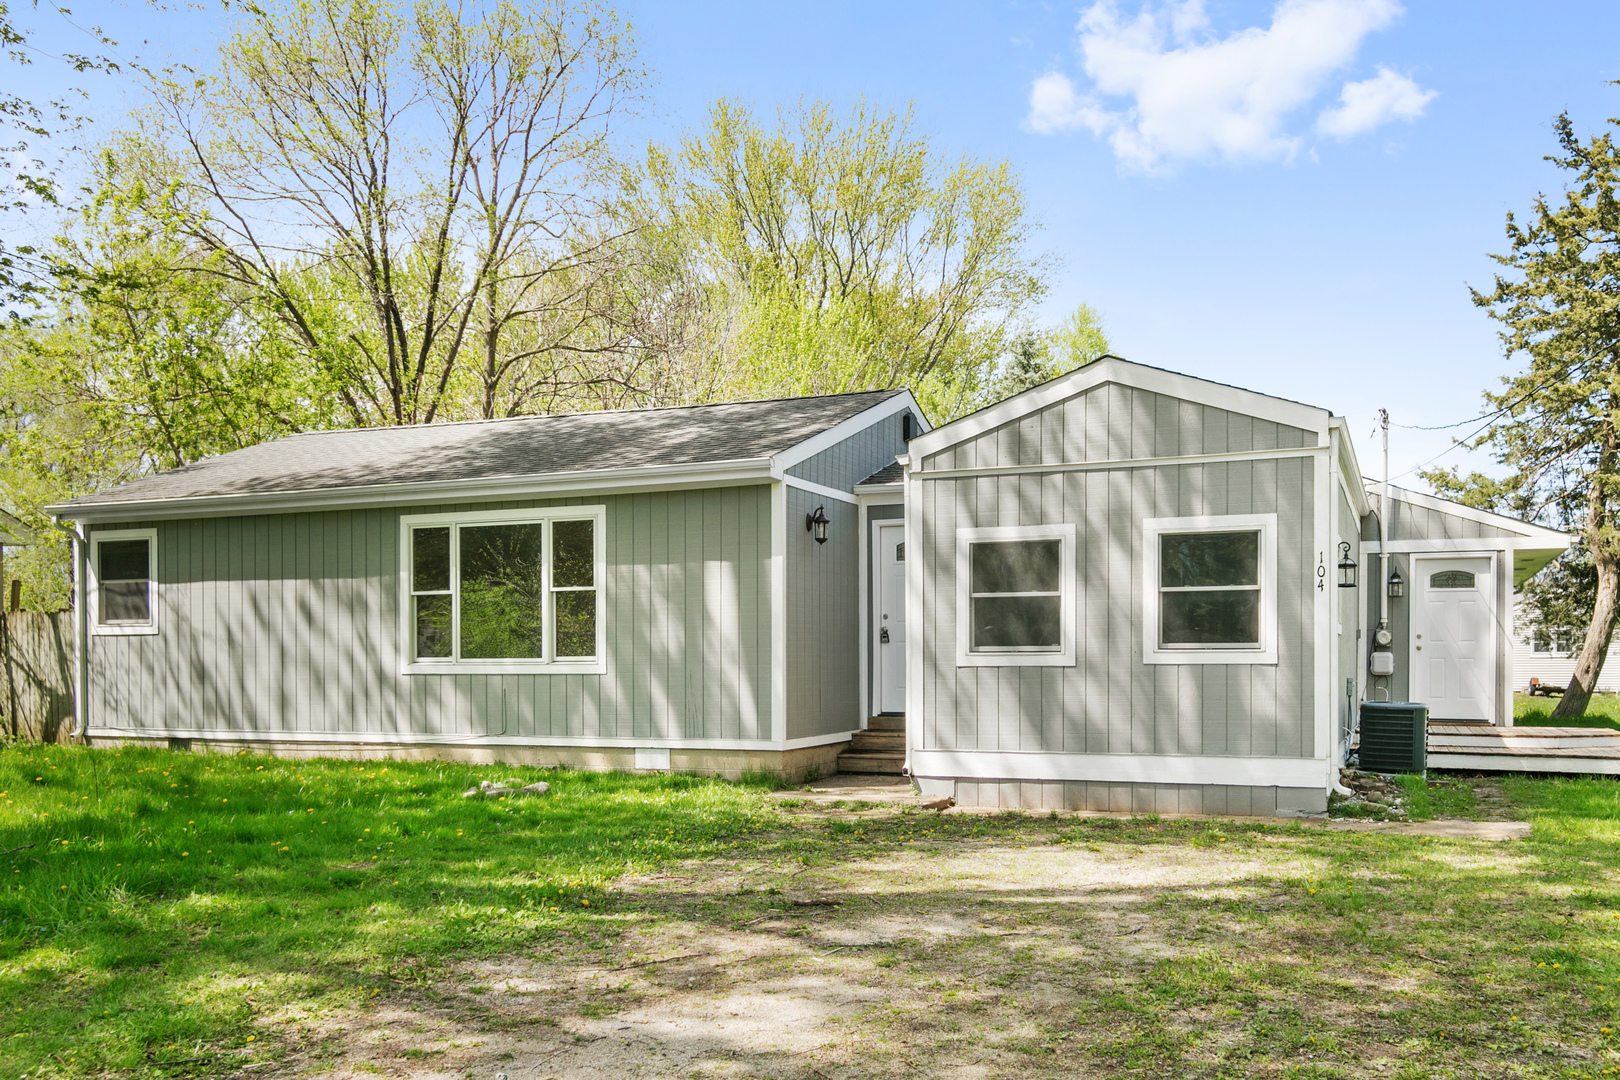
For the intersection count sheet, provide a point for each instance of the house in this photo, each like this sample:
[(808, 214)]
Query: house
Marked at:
[(1135, 590), (1125, 589), (633, 589), (1551, 660)]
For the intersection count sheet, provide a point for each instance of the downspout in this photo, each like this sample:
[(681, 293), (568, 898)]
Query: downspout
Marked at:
[(81, 630)]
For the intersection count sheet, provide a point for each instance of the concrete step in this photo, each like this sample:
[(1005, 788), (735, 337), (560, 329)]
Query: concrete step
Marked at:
[(852, 762), (886, 723), (880, 741)]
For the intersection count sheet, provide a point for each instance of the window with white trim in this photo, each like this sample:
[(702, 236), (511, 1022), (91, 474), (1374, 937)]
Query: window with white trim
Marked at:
[(123, 581), (1015, 596), (1209, 590), (504, 591)]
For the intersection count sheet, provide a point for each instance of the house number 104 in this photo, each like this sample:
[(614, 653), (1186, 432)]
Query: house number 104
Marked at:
[(1321, 572)]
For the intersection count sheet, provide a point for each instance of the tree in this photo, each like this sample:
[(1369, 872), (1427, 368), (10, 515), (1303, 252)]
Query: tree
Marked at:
[(408, 187), (1040, 357), (832, 253), (1557, 427)]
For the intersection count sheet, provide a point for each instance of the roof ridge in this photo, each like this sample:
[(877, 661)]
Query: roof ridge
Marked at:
[(580, 412)]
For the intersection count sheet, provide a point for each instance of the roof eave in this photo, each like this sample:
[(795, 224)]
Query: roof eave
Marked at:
[(543, 485)]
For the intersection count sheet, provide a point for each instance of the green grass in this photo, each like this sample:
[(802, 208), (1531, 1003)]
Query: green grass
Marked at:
[(156, 902), (1602, 711)]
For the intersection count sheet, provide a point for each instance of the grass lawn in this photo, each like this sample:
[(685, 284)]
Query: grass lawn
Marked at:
[(172, 914), (1602, 711)]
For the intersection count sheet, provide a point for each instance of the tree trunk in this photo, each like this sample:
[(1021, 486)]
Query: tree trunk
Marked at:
[(1596, 646)]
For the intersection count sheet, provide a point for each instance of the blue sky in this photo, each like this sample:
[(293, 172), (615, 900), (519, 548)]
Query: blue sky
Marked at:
[(1201, 170)]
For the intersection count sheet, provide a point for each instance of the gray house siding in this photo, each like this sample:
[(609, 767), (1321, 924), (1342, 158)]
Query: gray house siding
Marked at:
[(290, 623), (1410, 522), (847, 463), (1110, 701), (1114, 423), (1348, 628), (823, 654)]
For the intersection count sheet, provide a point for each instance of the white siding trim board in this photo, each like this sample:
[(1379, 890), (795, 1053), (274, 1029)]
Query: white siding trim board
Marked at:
[(1235, 771), (819, 489), (778, 631), (406, 738)]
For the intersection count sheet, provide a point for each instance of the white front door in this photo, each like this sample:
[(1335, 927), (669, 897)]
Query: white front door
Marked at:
[(1454, 637), (889, 618)]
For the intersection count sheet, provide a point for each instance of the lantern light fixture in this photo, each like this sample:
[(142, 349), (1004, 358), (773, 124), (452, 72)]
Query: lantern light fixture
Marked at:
[(817, 523), (1397, 585), (1347, 567)]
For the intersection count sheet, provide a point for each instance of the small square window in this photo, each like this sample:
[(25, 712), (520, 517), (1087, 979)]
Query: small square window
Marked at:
[(1209, 590), (122, 582), (1016, 596)]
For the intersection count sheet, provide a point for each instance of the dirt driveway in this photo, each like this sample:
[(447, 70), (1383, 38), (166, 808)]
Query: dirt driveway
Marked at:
[(1078, 949)]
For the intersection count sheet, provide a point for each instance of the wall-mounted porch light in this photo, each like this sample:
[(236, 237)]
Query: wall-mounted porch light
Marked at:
[(1347, 568), (1397, 585), (817, 523)]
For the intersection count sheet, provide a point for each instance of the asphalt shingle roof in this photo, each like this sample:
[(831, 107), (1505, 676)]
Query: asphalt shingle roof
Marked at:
[(891, 473), (490, 449)]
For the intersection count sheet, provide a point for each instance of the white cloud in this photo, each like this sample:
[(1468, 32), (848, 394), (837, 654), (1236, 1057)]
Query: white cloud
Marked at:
[(1367, 104), (1194, 95)]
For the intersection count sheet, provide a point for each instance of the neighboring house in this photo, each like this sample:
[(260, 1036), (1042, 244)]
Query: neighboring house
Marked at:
[(611, 590), (1119, 590), (1552, 661)]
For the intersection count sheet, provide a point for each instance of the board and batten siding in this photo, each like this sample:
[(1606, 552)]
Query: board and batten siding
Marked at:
[(822, 633), (1110, 701), (1347, 616), (847, 463), (290, 623)]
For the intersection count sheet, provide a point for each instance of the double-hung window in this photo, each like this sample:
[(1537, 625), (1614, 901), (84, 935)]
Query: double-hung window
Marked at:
[(1015, 596), (1210, 590), (504, 591), (123, 581)]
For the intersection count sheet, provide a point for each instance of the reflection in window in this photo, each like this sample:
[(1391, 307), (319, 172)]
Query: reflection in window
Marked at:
[(1015, 589), (502, 592), (573, 561), (1209, 589), (123, 580), (1451, 579)]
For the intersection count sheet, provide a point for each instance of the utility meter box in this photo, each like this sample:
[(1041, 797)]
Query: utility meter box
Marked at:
[(1382, 662)]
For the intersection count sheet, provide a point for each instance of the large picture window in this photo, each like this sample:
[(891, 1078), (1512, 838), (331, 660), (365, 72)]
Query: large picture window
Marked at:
[(1015, 596), (504, 591), (123, 581), (1209, 590)]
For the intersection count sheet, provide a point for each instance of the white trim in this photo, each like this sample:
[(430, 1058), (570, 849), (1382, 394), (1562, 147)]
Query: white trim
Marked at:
[(881, 494), (966, 656), (595, 665), (1122, 463), (1152, 529), (1116, 370), (899, 403), (1530, 763), (778, 572), (1482, 543), (1122, 768), (542, 486), (406, 738), (821, 490), (915, 701), (1326, 577), (150, 626), (81, 638)]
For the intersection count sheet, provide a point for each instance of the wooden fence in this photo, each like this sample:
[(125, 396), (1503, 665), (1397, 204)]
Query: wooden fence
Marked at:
[(36, 675)]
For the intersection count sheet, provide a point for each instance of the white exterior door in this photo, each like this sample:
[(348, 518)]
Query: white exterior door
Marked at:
[(1454, 637), (889, 617)]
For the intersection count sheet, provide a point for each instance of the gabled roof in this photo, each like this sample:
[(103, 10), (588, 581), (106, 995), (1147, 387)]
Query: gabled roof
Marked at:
[(1533, 546), (891, 474), (415, 462), (1116, 369)]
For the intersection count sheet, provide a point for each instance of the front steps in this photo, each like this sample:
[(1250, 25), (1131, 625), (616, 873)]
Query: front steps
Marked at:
[(880, 749), (1485, 748)]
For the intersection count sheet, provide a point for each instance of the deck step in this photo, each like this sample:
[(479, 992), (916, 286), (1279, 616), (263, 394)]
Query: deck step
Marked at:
[(883, 742), (1534, 759), (886, 723), (891, 764)]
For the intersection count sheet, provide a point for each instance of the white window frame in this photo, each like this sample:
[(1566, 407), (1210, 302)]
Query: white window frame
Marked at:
[(547, 664), (1266, 652), (966, 656), (97, 538)]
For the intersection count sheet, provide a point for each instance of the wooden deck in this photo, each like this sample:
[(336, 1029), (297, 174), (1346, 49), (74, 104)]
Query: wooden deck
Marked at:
[(1485, 748)]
